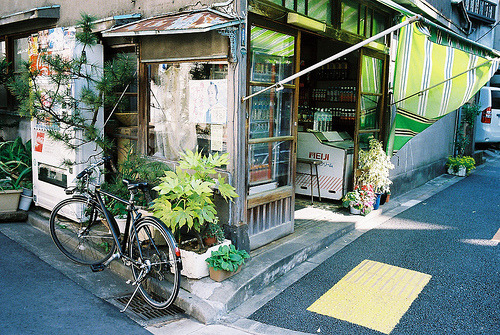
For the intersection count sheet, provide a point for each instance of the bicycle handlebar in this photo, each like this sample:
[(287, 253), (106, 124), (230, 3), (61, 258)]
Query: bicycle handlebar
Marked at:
[(88, 170)]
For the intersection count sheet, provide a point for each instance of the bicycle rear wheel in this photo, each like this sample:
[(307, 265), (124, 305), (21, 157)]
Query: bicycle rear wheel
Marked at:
[(153, 246), (80, 231)]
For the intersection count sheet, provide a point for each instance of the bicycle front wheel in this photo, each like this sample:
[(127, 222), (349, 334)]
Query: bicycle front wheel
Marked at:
[(157, 265), (79, 229)]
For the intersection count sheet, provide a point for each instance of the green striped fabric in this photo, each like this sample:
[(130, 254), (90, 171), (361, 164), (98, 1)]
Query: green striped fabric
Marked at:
[(435, 74)]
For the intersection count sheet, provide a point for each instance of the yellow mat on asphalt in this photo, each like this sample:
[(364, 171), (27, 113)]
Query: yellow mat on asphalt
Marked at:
[(373, 294)]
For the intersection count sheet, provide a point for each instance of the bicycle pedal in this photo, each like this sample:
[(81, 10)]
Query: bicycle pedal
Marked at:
[(97, 267)]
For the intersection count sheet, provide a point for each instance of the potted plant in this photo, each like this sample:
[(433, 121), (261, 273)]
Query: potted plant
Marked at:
[(374, 165), (360, 200), (185, 203), (15, 172), (460, 165), (213, 233), (226, 262)]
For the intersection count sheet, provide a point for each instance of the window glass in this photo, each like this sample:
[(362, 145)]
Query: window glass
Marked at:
[(372, 74), (188, 108), (270, 113), (369, 112), (290, 4), (349, 21), (270, 163), (495, 99), (301, 7), (272, 55), (378, 23), (319, 10), (20, 53)]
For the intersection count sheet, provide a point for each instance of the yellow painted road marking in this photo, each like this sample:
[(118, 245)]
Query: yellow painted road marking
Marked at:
[(373, 294)]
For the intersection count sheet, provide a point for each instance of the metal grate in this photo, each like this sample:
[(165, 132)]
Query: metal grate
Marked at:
[(142, 310)]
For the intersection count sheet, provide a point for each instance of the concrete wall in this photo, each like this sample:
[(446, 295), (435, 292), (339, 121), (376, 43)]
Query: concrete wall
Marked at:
[(423, 157)]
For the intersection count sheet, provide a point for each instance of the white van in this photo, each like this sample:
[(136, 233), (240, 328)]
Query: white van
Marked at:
[(488, 120)]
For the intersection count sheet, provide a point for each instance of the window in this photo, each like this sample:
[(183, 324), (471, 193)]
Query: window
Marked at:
[(270, 117), (482, 10), (187, 108), (360, 19)]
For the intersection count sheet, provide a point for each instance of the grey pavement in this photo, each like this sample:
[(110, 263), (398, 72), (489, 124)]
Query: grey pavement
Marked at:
[(106, 285)]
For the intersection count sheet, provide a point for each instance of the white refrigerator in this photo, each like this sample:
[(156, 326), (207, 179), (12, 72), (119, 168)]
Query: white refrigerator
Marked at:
[(334, 153)]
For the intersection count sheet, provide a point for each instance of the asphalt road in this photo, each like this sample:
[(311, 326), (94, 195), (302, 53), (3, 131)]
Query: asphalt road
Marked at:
[(35, 298), (447, 237)]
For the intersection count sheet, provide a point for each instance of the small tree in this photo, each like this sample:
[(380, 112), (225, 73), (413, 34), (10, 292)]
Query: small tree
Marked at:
[(54, 101), (465, 131)]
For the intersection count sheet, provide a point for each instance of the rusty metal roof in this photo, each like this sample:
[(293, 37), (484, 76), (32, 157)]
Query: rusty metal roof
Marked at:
[(187, 22)]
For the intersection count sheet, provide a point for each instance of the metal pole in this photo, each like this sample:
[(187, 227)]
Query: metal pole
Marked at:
[(280, 83)]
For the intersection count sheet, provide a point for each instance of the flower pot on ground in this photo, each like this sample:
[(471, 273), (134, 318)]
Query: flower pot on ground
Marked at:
[(25, 202), (361, 198), (354, 211), (194, 265), (220, 275), (9, 200), (226, 258), (376, 203), (460, 165)]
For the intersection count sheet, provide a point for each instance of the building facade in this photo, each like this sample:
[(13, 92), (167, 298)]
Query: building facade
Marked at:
[(213, 76)]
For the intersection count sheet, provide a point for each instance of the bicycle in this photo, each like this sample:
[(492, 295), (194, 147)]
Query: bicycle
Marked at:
[(85, 231)]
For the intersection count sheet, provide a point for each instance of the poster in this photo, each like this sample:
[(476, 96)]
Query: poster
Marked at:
[(208, 101), (216, 137)]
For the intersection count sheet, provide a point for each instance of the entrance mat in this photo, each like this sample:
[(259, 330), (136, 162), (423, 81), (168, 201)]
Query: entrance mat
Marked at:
[(373, 294)]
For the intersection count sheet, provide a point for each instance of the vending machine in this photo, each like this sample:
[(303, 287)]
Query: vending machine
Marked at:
[(334, 153), (50, 175)]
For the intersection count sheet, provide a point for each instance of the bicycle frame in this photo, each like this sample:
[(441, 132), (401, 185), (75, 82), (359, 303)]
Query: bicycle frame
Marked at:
[(132, 217)]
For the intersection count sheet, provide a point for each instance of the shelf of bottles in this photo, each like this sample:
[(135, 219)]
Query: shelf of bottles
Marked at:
[(327, 100), (334, 94)]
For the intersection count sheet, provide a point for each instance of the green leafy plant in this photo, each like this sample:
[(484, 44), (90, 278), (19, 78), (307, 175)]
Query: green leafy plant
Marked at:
[(135, 168), (227, 258), (374, 165), (455, 163), (186, 194), (15, 163), (465, 130)]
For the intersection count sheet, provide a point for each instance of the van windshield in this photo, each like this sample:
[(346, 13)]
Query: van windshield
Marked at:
[(495, 99)]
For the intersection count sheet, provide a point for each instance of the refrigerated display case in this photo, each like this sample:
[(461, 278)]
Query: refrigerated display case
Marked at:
[(269, 117), (335, 151)]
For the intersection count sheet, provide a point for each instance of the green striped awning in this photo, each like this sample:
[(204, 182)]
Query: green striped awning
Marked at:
[(435, 74)]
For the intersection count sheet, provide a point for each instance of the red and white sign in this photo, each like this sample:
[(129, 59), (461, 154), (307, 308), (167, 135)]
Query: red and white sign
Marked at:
[(40, 137)]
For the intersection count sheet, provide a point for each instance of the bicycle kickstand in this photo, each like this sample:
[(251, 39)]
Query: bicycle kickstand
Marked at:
[(138, 283)]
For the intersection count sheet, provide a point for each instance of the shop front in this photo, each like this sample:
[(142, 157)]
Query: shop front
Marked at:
[(302, 135)]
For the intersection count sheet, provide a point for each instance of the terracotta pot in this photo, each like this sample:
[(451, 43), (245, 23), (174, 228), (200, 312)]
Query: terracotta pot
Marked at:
[(220, 275), (210, 241)]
